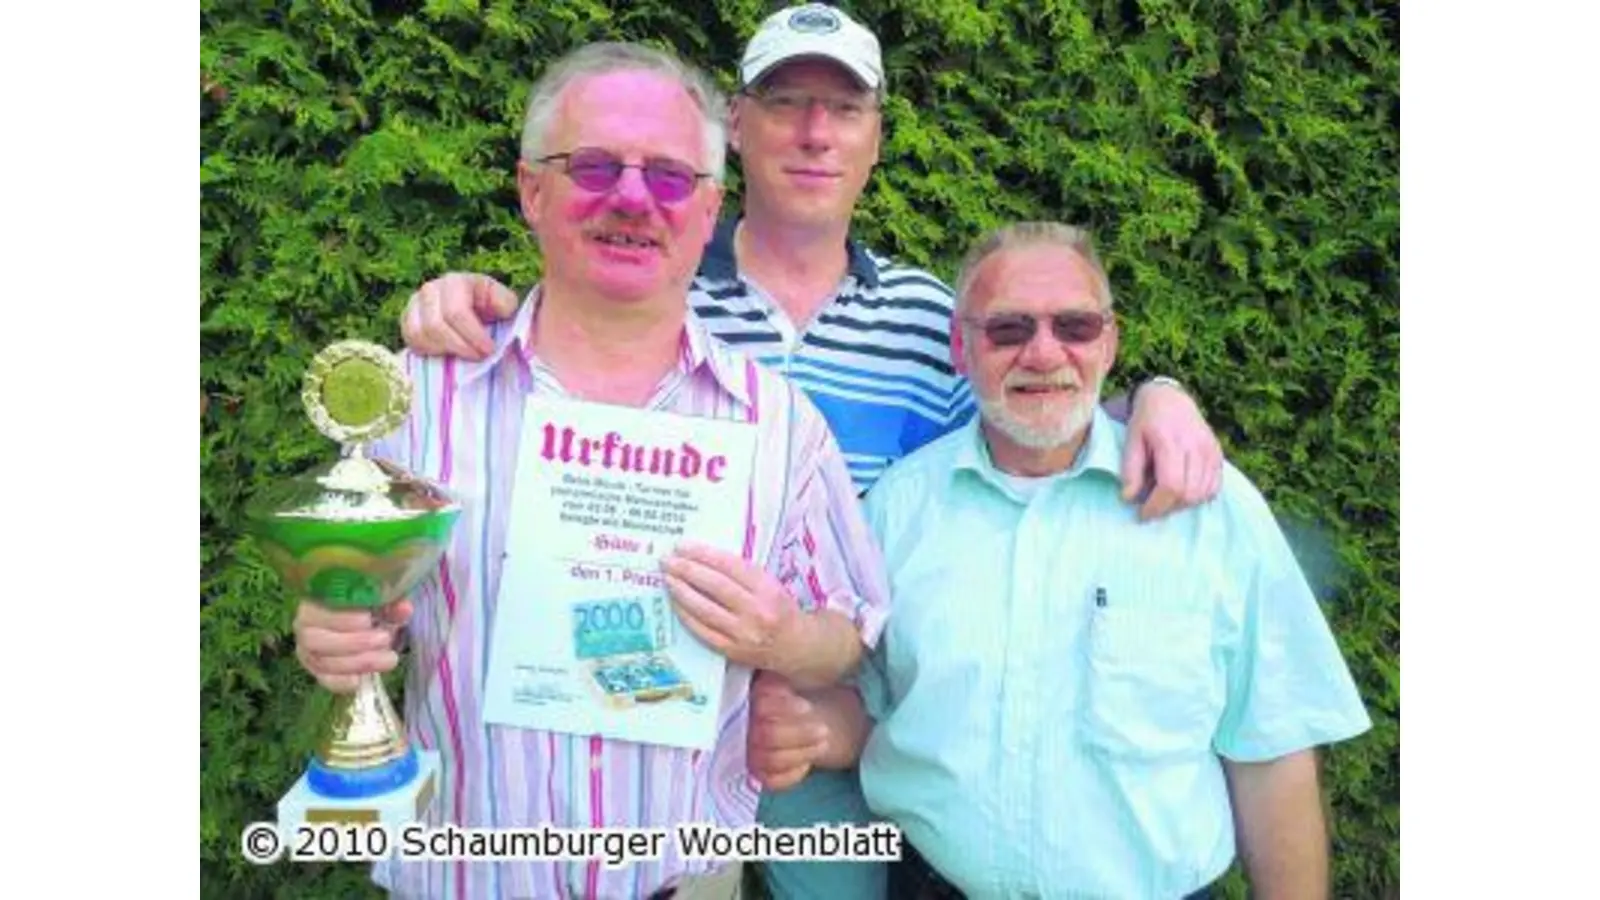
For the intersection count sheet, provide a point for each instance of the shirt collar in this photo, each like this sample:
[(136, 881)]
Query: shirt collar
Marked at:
[(701, 349), (510, 343), (719, 261), (1101, 452), (698, 348)]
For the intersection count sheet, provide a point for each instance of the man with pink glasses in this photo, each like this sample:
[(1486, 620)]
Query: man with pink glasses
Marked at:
[(620, 177)]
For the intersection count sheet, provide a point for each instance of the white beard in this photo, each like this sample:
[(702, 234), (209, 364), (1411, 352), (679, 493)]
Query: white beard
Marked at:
[(1036, 437)]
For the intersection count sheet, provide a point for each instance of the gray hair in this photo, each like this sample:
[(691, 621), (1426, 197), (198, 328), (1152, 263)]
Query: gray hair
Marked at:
[(606, 58), (1033, 234)]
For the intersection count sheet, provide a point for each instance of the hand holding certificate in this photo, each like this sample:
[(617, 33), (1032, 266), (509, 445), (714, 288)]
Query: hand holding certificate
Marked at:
[(733, 606), (586, 640)]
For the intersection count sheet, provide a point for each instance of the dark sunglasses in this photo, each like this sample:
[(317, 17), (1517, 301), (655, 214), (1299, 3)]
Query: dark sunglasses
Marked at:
[(596, 170), (1015, 329)]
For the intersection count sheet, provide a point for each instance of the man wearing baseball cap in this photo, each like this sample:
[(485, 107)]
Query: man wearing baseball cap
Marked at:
[(865, 336), (818, 31)]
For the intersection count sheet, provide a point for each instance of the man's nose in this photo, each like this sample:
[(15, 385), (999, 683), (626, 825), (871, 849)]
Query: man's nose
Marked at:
[(816, 126), (630, 193), (1043, 353)]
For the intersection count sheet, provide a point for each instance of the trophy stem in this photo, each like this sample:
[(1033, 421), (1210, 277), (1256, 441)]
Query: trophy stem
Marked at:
[(364, 750), (363, 730)]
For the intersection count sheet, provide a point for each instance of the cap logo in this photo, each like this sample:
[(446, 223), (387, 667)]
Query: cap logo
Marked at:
[(814, 21)]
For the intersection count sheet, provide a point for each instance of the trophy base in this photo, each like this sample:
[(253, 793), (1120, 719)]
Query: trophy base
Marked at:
[(354, 784), (399, 806)]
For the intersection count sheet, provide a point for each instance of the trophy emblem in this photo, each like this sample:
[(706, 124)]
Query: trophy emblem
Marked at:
[(356, 533)]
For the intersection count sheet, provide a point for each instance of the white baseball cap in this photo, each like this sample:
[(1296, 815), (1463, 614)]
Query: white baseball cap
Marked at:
[(814, 30)]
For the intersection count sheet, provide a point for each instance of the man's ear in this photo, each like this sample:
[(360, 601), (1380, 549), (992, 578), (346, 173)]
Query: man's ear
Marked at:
[(958, 356), (528, 193), (713, 208), (877, 142), (1112, 334), (735, 107)]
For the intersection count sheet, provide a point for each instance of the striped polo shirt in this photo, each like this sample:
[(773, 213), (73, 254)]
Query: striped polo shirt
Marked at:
[(875, 360)]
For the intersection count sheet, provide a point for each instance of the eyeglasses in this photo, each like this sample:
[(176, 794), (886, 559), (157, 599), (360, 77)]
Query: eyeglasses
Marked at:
[(1015, 329), (596, 170), (792, 104)]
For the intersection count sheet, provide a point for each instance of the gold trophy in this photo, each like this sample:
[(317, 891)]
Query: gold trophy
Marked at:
[(357, 533)]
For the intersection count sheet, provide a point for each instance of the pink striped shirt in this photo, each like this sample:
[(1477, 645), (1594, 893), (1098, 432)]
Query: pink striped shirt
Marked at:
[(804, 526)]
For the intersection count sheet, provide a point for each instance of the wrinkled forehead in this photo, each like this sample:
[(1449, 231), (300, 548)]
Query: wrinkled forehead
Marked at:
[(630, 109), (1040, 278)]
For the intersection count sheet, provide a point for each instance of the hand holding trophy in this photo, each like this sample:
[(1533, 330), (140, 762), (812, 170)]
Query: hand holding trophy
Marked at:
[(358, 533)]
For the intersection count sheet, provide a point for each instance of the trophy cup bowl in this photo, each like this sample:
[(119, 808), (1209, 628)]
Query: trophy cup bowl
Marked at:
[(356, 534)]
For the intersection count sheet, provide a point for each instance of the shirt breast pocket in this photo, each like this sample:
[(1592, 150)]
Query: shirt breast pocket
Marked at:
[(1153, 691)]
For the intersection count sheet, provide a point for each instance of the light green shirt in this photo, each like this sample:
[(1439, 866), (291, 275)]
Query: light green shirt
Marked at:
[(1058, 679)]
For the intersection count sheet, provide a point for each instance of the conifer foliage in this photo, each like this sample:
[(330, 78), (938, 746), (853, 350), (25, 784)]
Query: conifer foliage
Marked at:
[(1238, 161)]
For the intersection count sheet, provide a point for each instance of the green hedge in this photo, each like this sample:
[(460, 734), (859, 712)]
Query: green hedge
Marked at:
[(1238, 159)]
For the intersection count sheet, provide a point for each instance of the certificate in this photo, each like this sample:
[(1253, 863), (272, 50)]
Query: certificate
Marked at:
[(585, 637)]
